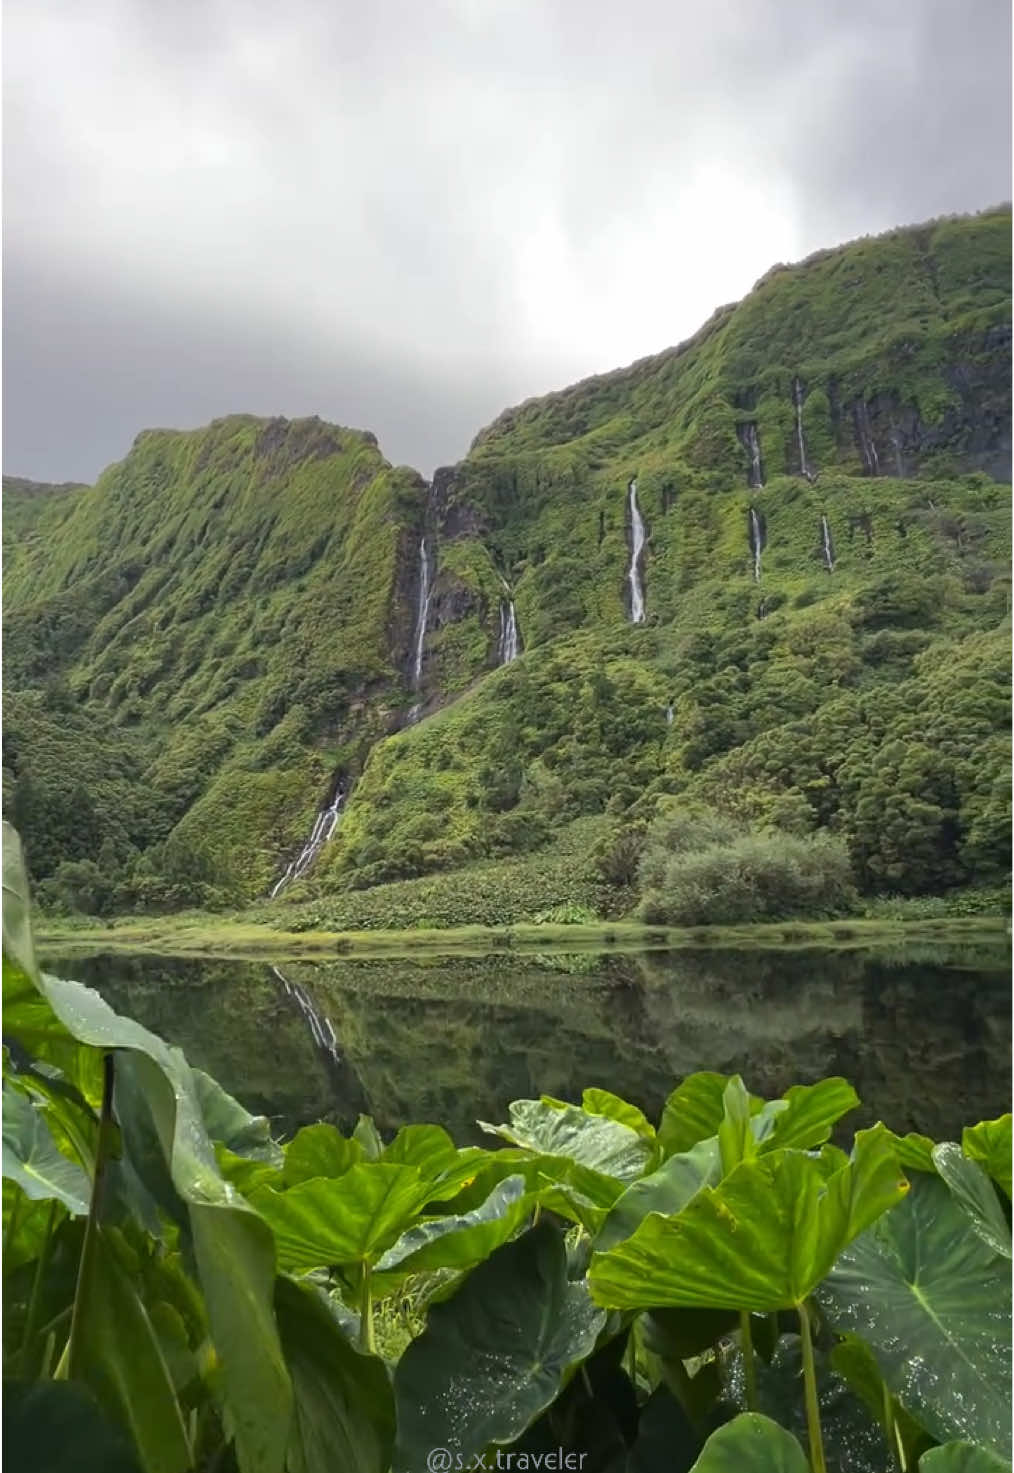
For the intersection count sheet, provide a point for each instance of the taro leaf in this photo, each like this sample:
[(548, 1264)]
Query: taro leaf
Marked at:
[(934, 1303), (603, 1102), (32, 1159), (244, 1174), (666, 1440), (812, 1111), (761, 1240), (344, 1404), (972, 1189), (226, 1120), (233, 1247), (854, 1361), (915, 1152), (679, 1334), (347, 1220), (667, 1190), (596, 1141), (961, 1457), (853, 1440), (368, 1137), (694, 1111), (319, 1150), (751, 1443), (116, 1353), (496, 1354), (58, 1427), (989, 1143), (427, 1147), (459, 1240), (736, 1140)]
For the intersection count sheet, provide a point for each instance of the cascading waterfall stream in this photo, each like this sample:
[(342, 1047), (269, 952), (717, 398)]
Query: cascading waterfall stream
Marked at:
[(864, 429), (422, 615), (756, 532), (751, 443), (636, 550), (797, 399), (827, 546), (323, 830), (509, 645)]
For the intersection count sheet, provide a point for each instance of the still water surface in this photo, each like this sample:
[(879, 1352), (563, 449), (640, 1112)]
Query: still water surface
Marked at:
[(923, 1035)]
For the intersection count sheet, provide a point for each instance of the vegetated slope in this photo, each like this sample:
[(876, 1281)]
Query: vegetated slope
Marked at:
[(854, 676), (200, 646), (195, 644)]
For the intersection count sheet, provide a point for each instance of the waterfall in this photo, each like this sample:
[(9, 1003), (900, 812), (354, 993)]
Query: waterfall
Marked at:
[(509, 646), (422, 615), (669, 715), (827, 545), (748, 438), (871, 460), (797, 399), (756, 534), (324, 826), (636, 549)]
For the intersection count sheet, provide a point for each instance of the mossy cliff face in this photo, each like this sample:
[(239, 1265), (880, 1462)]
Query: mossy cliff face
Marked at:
[(202, 643), (229, 613)]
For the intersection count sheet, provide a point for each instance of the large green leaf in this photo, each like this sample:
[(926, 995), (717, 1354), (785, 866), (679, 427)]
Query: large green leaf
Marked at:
[(751, 1443), (812, 1111), (961, 1457), (495, 1355), (319, 1150), (233, 1246), (854, 1361), (32, 1159), (457, 1240), (933, 1300), (596, 1141), (761, 1240), (604, 1102), (972, 1189), (343, 1220), (116, 1353), (58, 1427), (226, 1120), (344, 1417), (666, 1191), (694, 1111), (989, 1143)]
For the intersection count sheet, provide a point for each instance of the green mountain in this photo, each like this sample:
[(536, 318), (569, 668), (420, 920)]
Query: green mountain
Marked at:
[(231, 632)]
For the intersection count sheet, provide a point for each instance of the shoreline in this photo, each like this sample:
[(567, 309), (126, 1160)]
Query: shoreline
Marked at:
[(249, 941)]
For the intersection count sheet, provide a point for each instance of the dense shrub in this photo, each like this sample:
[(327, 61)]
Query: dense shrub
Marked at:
[(755, 877)]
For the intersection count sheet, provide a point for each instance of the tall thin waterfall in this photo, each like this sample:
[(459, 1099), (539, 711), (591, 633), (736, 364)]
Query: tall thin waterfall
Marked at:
[(509, 646), (827, 546), (636, 550), (751, 443), (797, 399), (422, 615), (756, 533), (324, 826), (864, 429)]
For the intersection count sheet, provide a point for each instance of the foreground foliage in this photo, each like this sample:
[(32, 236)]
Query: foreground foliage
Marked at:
[(721, 1290)]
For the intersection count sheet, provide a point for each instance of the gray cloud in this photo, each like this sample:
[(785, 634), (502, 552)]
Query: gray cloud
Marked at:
[(405, 216)]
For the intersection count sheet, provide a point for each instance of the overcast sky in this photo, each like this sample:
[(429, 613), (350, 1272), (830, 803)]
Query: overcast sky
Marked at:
[(405, 216)]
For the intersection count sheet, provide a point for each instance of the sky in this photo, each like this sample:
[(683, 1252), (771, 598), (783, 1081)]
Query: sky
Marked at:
[(407, 216)]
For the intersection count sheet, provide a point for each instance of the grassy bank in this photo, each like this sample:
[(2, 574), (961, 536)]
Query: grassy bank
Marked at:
[(201, 935)]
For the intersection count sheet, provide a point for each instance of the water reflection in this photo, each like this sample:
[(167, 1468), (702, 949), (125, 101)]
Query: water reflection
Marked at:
[(924, 1038)]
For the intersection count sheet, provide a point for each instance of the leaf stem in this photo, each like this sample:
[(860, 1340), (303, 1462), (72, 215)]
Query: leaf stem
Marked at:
[(68, 1361), (367, 1341), (816, 1441), (36, 1297), (749, 1363)]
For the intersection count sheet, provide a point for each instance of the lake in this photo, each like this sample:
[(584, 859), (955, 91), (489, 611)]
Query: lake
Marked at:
[(923, 1033)]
